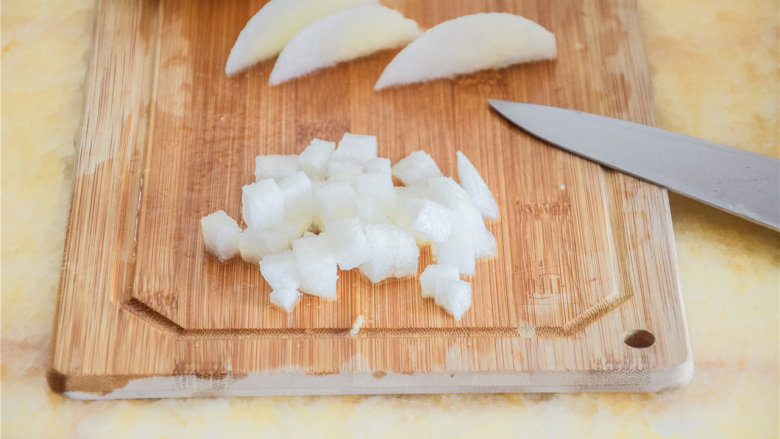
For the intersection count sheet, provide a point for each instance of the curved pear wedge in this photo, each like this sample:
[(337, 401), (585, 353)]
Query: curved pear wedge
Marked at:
[(342, 36), (476, 188), (266, 33), (468, 44)]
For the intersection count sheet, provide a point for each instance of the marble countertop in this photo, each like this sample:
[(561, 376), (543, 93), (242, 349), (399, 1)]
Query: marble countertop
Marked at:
[(715, 67)]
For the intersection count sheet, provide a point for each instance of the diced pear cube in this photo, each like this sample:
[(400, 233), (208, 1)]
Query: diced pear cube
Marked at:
[(314, 159), (316, 265), (407, 254), (433, 274), (416, 169), (280, 270), (447, 192), (285, 299), (380, 264), (380, 165), (348, 241), (377, 185), (402, 194), (275, 166), (394, 252), (429, 220), (347, 170), (220, 234), (457, 250), (293, 227), (358, 147), (485, 245), (370, 211), (297, 192), (254, 244), (316, 221), (262, 204), (454, 296), (334, 200)]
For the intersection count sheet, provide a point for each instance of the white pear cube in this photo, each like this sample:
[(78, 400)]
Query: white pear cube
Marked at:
[(380, 164), (433, 274), (476, 188), (394, 252), (293, 227), (380, 263), (402, 194), (377, 185), (458, 251), (429, 220), (285, 299), (370, 211), (220, 234), (262, 204), (447, 192), (316, 265), (416, 169), (407, 254), (296, 189), (314, 159), (454, 296), (485, 245), (280, 270), (275, 166), (334, 200), (316, 221), (348, 242), (358, 147), (254, 244), (347, 170)]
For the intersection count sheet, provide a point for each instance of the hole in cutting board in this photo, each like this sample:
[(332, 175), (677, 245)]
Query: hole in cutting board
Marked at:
[(639, 338)]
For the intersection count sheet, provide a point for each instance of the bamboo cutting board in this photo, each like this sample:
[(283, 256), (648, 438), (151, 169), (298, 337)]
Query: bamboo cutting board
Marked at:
[(584, 294)]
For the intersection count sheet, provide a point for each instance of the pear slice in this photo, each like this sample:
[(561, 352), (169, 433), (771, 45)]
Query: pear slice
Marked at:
[(468, 44), (266, 33), (342, 36), (476, 188)]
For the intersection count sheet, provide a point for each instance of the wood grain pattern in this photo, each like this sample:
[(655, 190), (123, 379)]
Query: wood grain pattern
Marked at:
[(585, 254)]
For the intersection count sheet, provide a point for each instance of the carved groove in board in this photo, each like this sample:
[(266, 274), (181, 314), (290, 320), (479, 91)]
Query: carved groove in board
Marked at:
[(144, 141), (578, 324)]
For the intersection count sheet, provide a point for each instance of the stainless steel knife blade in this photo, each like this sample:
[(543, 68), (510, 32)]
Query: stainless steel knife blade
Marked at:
[(738, 181)]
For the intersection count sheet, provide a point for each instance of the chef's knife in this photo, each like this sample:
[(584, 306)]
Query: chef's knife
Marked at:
[(741, 182)]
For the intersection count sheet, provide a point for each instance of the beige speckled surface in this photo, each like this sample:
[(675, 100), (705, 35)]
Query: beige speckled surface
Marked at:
[(716, 75)]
